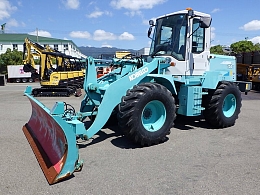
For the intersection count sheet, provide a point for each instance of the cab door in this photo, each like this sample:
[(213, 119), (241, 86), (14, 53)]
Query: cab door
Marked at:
[(199, 48)]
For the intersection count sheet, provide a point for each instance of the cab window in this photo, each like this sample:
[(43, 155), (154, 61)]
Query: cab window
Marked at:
[(198, 37)]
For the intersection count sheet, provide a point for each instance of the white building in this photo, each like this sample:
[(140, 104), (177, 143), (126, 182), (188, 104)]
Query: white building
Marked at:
[(16, 41), (144, 51)]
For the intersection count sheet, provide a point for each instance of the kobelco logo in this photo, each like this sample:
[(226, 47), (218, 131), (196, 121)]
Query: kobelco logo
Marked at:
[(138, 74)]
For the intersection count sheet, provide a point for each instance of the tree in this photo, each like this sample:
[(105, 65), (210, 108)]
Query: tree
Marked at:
[(244, 46), (257, 45), (217, 50), (10, 58)]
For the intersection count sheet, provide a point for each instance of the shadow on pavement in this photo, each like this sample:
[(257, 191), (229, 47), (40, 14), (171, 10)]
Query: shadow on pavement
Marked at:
[(182, 123), (119, 140), (190, 122)]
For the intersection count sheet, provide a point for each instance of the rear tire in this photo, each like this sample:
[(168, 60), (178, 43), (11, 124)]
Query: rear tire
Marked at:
[(17, 80), (223, 105), (30, 80), (24, 80), (146, 114)]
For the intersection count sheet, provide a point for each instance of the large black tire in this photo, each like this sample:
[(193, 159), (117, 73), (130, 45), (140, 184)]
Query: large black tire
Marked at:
[(222, 106), (146, 114)]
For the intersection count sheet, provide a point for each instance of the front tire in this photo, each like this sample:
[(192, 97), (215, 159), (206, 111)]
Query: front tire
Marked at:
[(146, 114), (223, 105)]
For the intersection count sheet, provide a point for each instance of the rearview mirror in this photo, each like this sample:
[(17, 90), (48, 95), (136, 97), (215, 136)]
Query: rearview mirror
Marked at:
[(205, 22), (149, 32), (151, 22)]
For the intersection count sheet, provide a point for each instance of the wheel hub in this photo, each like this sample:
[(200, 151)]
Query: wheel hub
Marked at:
[(154, 116), (147, 113), (229, 105)]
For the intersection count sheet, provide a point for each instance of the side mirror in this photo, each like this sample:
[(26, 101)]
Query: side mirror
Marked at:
[(151, 22), (149, 32), (205, 22)]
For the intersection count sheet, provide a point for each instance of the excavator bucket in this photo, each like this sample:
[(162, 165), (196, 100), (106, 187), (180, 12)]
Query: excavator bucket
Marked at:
[(52, 141)]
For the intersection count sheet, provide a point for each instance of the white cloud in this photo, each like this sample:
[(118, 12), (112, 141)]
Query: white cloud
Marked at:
[(95, 14), (12, 22), (6, 9), (92, 2), (100, 35), (133, 13), (98, 13), (106, 45), (20, 3), (72, 4), (22, 24), (253, 25), (215, 10), (42, 33), (255, 40), (213, 34), (126, 36), (80, 34), (135, 5)]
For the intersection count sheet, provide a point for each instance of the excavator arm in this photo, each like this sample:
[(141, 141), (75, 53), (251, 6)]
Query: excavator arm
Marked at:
[(28, 58)]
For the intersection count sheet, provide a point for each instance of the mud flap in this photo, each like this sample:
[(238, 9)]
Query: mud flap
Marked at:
[(52, 141)]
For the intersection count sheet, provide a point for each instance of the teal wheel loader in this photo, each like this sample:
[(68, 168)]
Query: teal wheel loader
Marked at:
[(180, 76)]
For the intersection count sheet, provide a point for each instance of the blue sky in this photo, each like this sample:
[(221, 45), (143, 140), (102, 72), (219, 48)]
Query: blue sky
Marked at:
[(124, 23)]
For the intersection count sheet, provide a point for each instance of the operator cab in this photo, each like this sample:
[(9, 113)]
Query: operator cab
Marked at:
[(184, 37)]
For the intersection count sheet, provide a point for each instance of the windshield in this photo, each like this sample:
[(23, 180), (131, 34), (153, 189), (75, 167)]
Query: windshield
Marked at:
[(169, 36)]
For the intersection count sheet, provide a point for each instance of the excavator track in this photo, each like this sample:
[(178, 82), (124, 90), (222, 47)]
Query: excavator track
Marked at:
[(53, 91)]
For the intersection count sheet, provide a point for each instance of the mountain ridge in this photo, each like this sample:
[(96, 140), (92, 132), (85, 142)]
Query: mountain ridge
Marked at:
[(97, 51)]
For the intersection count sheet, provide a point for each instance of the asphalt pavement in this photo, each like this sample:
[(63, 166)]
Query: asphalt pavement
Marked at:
[(196, 159)]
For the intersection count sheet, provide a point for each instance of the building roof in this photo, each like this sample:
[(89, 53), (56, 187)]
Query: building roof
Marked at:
[(17, 38)]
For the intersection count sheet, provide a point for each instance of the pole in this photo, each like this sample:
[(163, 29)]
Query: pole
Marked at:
[(37, 35)]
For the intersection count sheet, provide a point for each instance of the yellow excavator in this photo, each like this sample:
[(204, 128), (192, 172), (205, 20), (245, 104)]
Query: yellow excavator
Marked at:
[(59, 74)]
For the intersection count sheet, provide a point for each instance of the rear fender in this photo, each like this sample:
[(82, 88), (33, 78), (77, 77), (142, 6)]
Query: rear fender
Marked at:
[(165, 80)]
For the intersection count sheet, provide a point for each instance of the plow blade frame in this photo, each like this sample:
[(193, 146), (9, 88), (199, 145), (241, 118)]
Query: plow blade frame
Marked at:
[(52, 141)]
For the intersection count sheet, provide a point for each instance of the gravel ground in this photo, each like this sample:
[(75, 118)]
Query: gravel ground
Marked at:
[(195, 160)]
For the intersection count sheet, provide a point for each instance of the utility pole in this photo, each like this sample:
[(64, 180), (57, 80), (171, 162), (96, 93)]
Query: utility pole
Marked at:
[(37, 35)]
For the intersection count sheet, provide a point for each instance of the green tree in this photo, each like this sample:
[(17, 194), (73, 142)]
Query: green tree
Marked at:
[(244, 46), (257, 47), (217, 49), (10, 58)]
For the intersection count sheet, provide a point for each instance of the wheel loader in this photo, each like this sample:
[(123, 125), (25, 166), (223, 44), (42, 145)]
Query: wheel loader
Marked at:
[(143, 98)]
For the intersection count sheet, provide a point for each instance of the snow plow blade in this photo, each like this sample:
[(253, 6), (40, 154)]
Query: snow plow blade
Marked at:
[(52, 141)]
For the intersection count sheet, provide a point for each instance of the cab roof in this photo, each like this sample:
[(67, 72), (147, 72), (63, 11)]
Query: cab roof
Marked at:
[(185, 12)]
